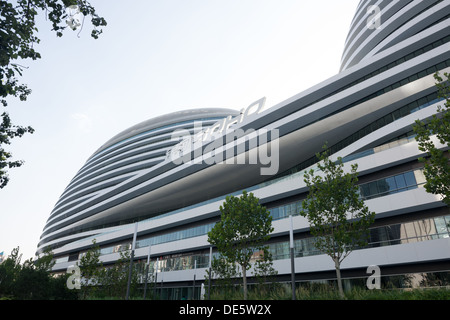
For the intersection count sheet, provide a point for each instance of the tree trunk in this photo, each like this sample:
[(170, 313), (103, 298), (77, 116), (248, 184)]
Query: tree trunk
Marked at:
[(339, 279), (244, 278)]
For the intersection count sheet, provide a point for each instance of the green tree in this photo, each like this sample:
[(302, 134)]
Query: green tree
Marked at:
[(32, 283), (244, 228), (45, 261), (264, 271), (436, 162), (18, 36), (9, 273), (338, 218), (90, 266), (114, 279), (32, 280), (224, 274)]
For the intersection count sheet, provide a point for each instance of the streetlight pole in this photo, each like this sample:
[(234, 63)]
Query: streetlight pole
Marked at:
[(209, 282), (156, 276), (146, 270), (133, 246), (195, 272), (291, 237)]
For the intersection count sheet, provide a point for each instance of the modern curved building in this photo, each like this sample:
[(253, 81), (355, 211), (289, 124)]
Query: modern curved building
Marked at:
[(365, 114)]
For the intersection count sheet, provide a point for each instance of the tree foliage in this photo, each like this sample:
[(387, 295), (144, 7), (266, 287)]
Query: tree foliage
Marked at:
[(264, 271), (99, 281), (114, 279), (338, 218), (436, 162), (90, 265), (244, 228), (225, 275), (32, 280), (9, 131), (18, 37)]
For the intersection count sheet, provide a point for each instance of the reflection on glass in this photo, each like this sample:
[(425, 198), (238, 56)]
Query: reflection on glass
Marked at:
[(401, 233), (391, 185)]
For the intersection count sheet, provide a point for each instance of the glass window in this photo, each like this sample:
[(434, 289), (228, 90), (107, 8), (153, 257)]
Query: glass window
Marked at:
[(379, 237), (447, 221), (280, 250), (431, 70), (410, 230), (422, 74), (441, 227), (394, 233), (281, 212), (424, 228), (388, 119), (294, 208), (373, 126), (106, 251), (373, 190), (392, 65), (383, 235), (400, 181), (275, 213), (308, 247), (437, 44), (403, 82), (396, 85), (62, 259), (288, 210), (409, 56), (299, 207), (414, 105), (441, 66), (392, 184), (410, 179), (365, 192), (404, 111), (380, 123), (382, 187), (374, 237), (413, 78), (422, 101)]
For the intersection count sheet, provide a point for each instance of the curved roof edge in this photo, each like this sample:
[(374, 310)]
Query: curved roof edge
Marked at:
[(167, 119)]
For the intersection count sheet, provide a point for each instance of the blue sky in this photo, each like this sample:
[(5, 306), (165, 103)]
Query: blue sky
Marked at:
[(155, 57)]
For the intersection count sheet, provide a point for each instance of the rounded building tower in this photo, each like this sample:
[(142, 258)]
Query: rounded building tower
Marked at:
[(113, 174), (380, 25)]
